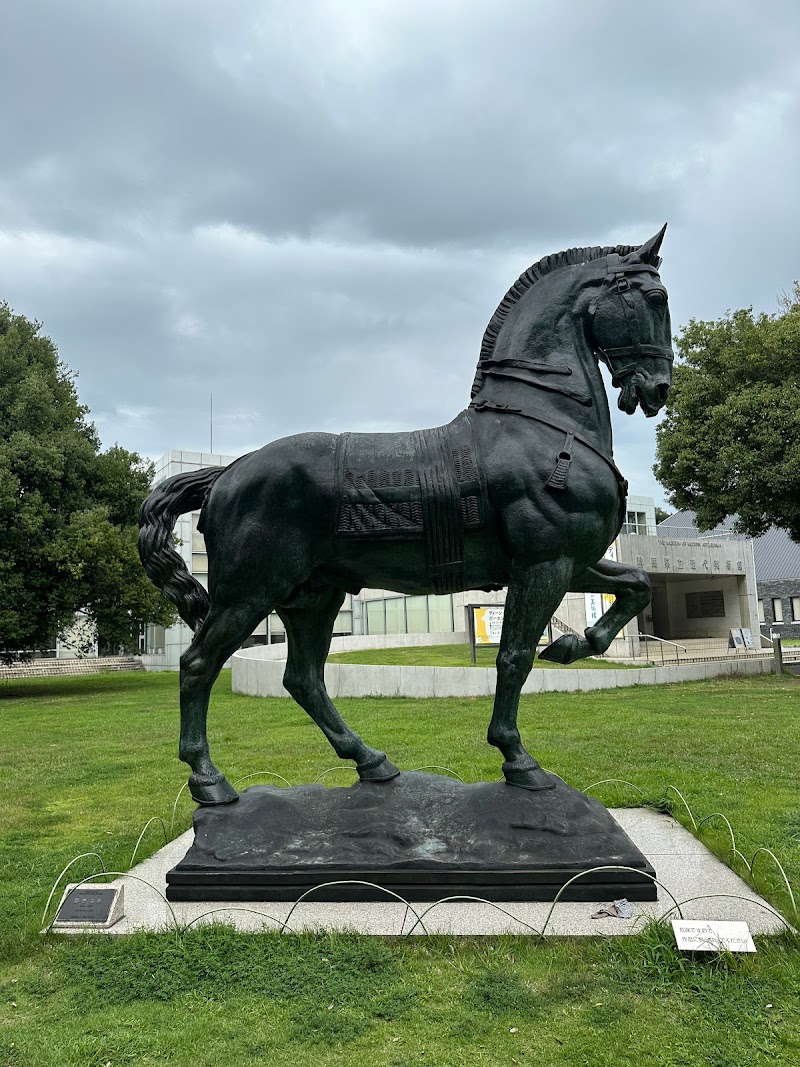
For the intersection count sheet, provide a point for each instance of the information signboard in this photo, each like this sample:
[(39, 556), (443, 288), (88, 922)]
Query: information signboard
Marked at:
[(485, 626), (712, 935), (90, 907), (488, 624)]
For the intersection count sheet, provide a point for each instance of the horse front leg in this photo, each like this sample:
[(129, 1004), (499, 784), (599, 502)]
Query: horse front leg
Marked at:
[(534, 593), (630, 586)]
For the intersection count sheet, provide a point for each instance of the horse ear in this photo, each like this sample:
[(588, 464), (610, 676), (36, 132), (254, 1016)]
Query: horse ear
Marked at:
[(648, 252)]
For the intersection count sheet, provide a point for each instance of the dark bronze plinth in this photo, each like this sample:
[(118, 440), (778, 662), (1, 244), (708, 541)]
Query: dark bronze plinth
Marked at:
[(423, 836)]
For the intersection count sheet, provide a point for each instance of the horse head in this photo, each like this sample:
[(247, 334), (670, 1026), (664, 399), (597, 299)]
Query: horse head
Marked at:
[(629, 327)]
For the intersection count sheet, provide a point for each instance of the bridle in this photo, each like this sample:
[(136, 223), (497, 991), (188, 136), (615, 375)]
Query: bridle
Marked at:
[(616, 269)]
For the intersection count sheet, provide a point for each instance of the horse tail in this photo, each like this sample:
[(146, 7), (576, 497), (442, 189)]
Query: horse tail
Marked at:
[(164, 567)]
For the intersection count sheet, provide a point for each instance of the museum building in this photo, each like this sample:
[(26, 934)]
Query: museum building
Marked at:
[(777, 568), (704, 585)]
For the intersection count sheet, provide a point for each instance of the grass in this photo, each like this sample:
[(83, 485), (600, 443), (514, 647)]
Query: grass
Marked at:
[(86, 761), (455, 656)]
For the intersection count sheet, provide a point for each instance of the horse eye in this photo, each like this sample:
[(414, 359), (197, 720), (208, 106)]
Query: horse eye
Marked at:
[(657, 297)]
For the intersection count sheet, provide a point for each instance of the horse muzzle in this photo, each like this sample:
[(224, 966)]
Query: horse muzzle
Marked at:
[(650, 396)]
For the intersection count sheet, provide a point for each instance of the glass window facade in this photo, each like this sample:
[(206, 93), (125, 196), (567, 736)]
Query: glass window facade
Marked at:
[(440, 614), (409, 615), (396, 615), (376, 616), (417, 615), (155, 639)]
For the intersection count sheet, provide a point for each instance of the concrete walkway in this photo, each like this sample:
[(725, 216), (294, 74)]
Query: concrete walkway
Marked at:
[(683, 865)]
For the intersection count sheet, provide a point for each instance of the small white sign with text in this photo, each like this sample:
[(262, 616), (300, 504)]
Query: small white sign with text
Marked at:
[(712, 935)]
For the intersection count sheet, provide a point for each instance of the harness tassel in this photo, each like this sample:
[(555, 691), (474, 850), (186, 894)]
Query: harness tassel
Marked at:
[(558, 479)]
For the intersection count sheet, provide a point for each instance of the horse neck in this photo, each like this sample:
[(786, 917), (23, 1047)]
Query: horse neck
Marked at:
[(548, 334)]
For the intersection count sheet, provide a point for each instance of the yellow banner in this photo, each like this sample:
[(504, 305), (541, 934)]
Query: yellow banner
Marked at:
[(488, 625)]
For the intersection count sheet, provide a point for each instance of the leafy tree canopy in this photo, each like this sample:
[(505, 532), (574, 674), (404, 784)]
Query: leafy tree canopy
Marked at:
[(730, 444), (68, 511), (661, 514)]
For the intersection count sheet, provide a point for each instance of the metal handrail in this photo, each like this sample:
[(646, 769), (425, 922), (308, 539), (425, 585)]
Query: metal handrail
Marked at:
[(662, 640), (564, 627), (764, 637)]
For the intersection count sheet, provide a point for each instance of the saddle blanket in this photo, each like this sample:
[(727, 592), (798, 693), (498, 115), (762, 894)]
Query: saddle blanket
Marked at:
[(425, 485)]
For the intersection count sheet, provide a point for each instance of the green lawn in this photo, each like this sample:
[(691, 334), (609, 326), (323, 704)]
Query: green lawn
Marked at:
[(86, 761), (455, 656)]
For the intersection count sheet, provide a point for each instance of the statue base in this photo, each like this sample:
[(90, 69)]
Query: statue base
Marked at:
[(422, 836)]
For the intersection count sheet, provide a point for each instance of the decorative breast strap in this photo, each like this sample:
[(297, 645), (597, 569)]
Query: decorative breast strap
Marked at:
[(558, 479)]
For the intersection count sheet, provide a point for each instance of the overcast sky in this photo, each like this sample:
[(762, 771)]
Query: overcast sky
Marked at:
[(311, 209)]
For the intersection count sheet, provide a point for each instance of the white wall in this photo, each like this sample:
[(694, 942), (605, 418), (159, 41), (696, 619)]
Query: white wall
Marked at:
[(714, 627), (255, 675)]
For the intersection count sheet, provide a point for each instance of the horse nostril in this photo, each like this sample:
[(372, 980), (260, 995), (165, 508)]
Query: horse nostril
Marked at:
[(663, 390)]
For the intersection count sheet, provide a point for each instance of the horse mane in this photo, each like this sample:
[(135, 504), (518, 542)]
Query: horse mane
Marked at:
[(546, 265)]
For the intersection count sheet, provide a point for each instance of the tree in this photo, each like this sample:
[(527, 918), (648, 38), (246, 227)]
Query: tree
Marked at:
[(68, 511), (661, 514), (730, 444)]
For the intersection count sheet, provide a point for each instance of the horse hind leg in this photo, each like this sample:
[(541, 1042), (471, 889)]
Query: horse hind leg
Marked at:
[(221, 634), (308, 630)]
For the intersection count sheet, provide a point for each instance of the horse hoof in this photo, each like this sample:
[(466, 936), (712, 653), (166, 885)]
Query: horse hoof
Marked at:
[(564, 650), (534, 779), (212, 791), (383, 771)]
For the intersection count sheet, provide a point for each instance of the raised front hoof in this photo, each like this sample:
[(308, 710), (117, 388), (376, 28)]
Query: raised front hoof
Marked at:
[(211, 791), (532, 778), (382, 771), (565, 650)]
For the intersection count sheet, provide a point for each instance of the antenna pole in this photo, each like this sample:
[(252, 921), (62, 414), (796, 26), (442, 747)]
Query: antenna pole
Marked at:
[(211, 425)]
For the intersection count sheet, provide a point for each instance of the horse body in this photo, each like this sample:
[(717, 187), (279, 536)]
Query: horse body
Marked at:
[(519, 491), (517, 463)]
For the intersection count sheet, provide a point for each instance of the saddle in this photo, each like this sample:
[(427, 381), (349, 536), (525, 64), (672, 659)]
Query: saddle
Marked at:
[(426, 485)]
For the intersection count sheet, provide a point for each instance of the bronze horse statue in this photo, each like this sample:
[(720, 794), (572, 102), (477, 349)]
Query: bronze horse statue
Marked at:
[(519, 490)]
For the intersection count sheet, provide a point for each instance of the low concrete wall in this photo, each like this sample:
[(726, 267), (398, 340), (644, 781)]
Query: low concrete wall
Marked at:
[(256, 674), (157, 661)]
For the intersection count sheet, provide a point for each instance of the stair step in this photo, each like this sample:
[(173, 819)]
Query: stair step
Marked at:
[(46, 668)]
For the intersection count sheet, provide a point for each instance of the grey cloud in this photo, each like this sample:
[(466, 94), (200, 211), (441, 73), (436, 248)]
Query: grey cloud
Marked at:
[(479, 128), (274, 201)]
